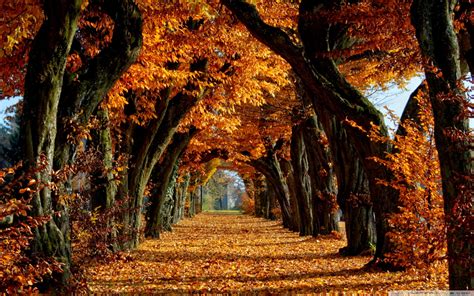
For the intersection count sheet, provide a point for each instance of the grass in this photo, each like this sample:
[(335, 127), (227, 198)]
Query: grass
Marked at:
[(224, 212)]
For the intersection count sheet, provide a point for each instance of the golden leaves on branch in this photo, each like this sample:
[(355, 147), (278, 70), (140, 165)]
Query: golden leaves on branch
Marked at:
[(19, 23), (418, 229)]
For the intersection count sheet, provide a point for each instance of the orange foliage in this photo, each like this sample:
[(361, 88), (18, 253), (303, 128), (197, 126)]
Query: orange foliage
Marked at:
[(384, 47), (248, 204), (18, 25), (19, 270), (418, 229)]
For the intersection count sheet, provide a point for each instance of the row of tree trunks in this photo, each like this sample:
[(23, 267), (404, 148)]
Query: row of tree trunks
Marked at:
[(304, 186), (330, 93), (148, 145), (180, 194)]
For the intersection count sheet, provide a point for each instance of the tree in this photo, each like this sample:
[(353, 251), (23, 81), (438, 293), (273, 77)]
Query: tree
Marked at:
[(418, 229), (47, 59), (55, 91), (439, 44), (9, 141)]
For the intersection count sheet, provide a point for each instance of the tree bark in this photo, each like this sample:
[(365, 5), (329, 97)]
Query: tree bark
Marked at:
[(104, 195), (43, 87), (433, 21), (353, 194), (166, 211)]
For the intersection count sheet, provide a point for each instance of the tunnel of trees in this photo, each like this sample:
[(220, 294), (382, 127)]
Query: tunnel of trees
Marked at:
[(134, 114)]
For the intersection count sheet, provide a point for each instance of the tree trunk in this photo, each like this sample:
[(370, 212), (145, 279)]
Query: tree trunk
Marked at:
[(251, 191), (353, 191), (166, 212), (104, 195), (288, 173), (438, 42), (299, 159), (43, 86), (175, 200), (192, 204), (198, 200), (260, 188), (322, 179), (163, 177), (270, 167), (180, 192), (269, 203)]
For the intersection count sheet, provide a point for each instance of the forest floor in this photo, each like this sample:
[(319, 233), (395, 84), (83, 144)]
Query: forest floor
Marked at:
[(215, 253)]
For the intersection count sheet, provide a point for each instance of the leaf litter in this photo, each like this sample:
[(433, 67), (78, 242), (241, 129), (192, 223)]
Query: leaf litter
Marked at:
[(214, 253)]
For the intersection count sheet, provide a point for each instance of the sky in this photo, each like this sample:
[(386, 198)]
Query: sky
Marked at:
[(4, 104), (394, 99)]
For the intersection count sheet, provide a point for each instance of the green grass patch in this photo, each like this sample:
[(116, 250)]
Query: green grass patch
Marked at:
[(224, 212)]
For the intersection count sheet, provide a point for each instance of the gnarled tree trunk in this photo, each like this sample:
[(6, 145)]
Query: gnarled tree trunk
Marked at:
[(163, 177), (43, 87), (270, 167), (353, 194), (322, 179)]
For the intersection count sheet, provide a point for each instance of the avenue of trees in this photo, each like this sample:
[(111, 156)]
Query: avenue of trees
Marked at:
[(129, 107)]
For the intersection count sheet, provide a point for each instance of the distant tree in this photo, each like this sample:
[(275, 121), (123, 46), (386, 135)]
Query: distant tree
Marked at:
[(10, 141)]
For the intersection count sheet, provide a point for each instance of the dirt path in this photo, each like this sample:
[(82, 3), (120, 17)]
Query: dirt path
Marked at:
[(241, 254)]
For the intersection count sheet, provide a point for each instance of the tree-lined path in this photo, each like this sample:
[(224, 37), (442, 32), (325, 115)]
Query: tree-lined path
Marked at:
[(129, 116), (238, 253)]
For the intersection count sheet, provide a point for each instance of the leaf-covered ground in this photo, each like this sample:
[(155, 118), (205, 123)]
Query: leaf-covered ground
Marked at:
[(214, 253)]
